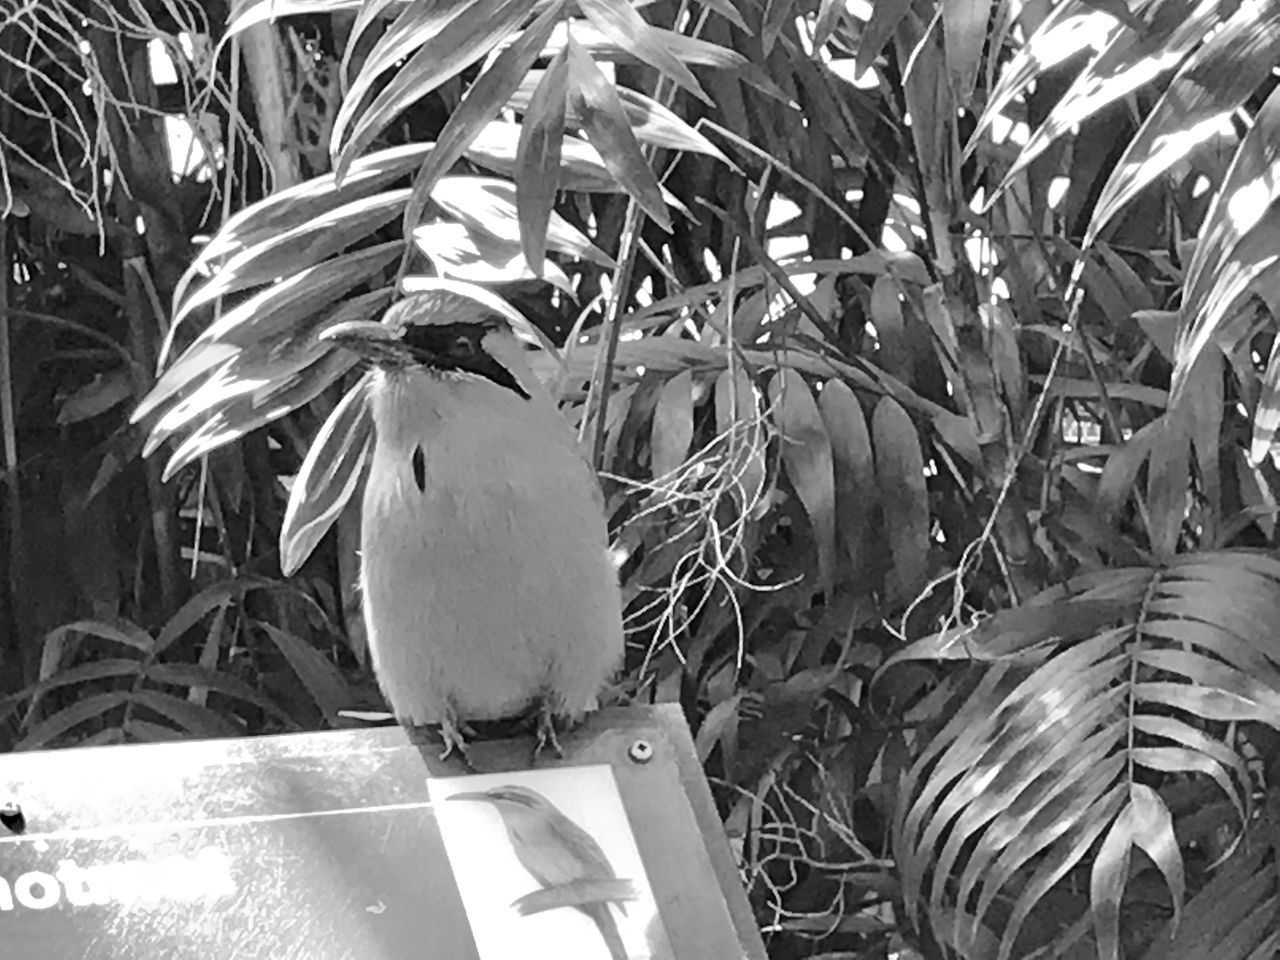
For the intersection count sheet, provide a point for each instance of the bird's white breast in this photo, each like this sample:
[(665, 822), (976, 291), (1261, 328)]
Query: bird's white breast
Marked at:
[(488, 584)]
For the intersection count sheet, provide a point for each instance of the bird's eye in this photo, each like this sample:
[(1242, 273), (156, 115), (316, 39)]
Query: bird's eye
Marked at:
[(462, 346)]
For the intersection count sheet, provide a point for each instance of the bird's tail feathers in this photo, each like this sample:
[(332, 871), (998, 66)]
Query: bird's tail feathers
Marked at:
[(577, 893), (603, 917)]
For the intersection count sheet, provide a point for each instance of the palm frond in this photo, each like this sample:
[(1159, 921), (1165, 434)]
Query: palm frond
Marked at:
[(1061, 752)]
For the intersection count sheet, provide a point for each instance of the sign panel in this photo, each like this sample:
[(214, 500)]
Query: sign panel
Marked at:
[(359, 844)]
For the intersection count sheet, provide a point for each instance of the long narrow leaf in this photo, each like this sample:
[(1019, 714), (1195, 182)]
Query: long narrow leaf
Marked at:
[(1212, 83), (370, 11), (245, 413), (294, 206), (244, 14), (322, 680), (496, 148), (855, 472), (538, 159), (596, 103), (619, 21), (1067, 32), (459, 43), (903, 495), (414, 25), (650, 121), (328, 477), (81, 711), (277, 310), (491, 205), (1172, 28), (187, 716), (292, 250), (806, 452), (487, 94)]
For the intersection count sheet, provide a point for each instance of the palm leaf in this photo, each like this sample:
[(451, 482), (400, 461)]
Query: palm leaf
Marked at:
[(1060, 753)]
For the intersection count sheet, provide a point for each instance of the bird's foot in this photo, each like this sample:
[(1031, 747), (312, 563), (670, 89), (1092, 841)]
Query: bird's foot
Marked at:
[(452, 733), (547, 732)]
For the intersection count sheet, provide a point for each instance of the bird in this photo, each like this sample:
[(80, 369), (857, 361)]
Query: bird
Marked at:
[(557, 853), (486, 579)]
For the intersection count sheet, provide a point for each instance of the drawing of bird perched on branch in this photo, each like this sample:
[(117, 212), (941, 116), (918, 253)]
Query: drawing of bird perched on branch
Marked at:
[(486, 580), (567, 862)]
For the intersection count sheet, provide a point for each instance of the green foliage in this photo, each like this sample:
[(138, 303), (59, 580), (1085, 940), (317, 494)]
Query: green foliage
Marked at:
[(926, 353)]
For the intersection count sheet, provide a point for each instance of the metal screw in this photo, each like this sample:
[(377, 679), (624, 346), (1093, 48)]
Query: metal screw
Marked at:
[(11, 816), (641, 751)]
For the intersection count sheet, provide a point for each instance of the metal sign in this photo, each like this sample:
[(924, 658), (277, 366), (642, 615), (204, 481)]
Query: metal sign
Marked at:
[(362, 844)]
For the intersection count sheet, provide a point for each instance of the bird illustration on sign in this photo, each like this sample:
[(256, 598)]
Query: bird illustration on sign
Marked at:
[(563, 858), (547, 865)]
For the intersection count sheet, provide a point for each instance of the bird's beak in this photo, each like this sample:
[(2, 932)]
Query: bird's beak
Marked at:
[(473, 795), (371, 339)]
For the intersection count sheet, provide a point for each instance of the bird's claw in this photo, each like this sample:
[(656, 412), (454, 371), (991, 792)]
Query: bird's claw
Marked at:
[(451, 733), (547, 733)]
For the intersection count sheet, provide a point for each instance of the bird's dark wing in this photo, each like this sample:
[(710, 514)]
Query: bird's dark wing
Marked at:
[(595, 865), (554, 849), (559, 853)]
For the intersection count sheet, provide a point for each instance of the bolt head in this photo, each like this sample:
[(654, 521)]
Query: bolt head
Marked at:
[(11, 816)]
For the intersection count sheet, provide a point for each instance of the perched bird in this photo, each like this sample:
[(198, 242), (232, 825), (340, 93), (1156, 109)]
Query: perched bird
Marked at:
[(556, 851), (484, 552)]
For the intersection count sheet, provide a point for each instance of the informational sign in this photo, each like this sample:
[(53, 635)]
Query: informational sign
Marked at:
[(361, 844)]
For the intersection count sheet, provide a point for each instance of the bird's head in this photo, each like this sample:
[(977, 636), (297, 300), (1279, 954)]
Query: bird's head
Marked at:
[(467, 341)]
